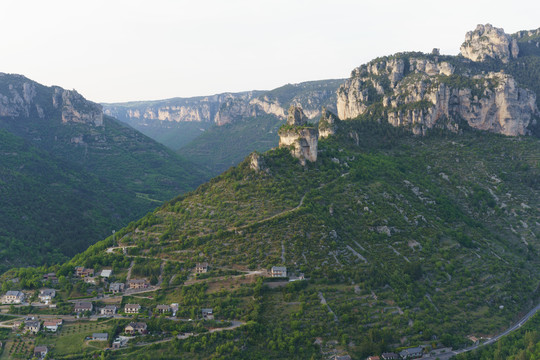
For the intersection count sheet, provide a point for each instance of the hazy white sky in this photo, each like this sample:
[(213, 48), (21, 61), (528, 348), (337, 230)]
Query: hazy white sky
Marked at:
[(119, 50)]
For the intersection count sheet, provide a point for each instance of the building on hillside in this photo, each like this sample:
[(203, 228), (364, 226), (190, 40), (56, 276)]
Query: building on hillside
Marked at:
[(373, 358), (108, 310), (174, 309), (83, 306), (389, 356), (100, 336), (207, 314), (52, 325), (132, 308), (201, 268), (278, 271), (136, 327), (92, 280), (46, 295), (50, 277), (32, 326), (162, 309), (341, 357), (13, 297), (82, 272), (138, 284), (40, 352), (106, 273), (116, 288), (119, 342), (412, 353)]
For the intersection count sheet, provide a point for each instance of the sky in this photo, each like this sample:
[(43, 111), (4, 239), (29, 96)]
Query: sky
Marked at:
[(117, 50)]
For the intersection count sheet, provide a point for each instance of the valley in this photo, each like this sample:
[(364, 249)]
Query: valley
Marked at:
[(405, 226)]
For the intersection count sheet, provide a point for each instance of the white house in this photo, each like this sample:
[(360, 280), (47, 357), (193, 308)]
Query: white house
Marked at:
[(106, 273), (278, 271), (52, 325)]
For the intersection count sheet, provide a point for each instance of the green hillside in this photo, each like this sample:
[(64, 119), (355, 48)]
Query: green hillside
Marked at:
[(67, 184), (523, 345), (404, 241), (221, 147)]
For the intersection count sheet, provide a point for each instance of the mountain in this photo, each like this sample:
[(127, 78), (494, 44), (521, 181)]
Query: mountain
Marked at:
[(175, 122), (420, 232), (71, 174), (405, 240), (491, 86)]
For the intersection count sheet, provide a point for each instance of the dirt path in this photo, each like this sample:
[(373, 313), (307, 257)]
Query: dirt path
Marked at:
[(129, 270)]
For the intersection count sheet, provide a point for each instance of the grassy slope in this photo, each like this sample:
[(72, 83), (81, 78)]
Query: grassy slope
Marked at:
[(174, 136), (460, 212), (221, 147)]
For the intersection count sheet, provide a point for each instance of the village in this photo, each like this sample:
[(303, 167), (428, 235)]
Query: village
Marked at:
[(105, 305)]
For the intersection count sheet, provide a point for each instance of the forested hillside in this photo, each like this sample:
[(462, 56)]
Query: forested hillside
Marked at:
[(71, 175), (405, 241)]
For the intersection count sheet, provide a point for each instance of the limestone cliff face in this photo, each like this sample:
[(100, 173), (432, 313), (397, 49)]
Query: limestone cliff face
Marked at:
[(486, 42), (75, 108), (17, 98), (327, 124), (300, 138), (502, 107), (21, 97), (422, 92), (230, 107)]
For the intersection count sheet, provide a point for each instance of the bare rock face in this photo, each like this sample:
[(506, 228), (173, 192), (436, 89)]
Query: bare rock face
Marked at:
[(17, 99), (486, 42), (301, 139), (76, 109), (428, 93), (21, 97), (227, 108), (371, 81), (256, 162), (327, 124), (296, 116)]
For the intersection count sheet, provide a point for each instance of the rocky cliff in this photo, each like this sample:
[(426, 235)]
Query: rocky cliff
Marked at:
[(24, 98), (327, 124), (230, 107), (298, 136), (423, 91), (486, 42)]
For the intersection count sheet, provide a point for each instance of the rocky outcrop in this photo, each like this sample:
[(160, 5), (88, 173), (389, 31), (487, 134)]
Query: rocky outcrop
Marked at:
[(502, 107), (298, 136), (425, 92), (76, 109), (486, 42), (256, 162), (327, 124), (296, 116), (21, 97)]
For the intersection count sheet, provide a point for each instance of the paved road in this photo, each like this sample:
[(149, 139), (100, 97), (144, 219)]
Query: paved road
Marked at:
[(516, 326)]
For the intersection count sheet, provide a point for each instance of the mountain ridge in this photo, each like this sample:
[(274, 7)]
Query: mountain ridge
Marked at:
[(72, 136)]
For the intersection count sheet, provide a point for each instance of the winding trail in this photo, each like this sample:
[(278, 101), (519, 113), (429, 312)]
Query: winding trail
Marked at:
[(285, 212)]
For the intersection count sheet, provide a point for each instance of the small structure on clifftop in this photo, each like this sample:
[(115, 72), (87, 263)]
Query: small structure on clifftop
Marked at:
[(299, 136)]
